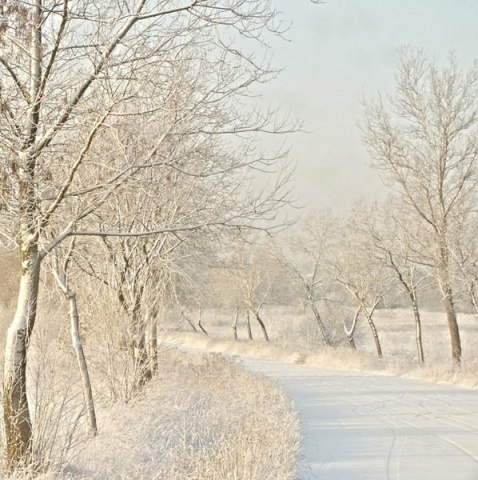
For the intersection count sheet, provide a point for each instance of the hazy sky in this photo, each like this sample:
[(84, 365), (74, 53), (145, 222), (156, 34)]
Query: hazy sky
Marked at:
[(340, 51)]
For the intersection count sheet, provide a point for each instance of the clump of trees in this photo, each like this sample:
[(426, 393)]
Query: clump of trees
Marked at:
[(423, 139), (420, 242), (123, 125)]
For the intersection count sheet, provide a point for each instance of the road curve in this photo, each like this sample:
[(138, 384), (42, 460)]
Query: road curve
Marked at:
[(361, 426)]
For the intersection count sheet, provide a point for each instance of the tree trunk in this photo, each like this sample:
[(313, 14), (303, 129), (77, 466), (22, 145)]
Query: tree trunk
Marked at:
[(79, 352), (16, 414), (82, 365), (449, 303), (418, 326), (263, 327), (200, 324), (350, 332), (142, 372), (318, 318), (152, 342), (234, 324), (373, 328), (315, 310), (191, 324), (249, 329), (409, 287), (376, 339)]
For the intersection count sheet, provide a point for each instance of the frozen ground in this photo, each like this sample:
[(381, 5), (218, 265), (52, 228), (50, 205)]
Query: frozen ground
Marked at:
[(360, 426)]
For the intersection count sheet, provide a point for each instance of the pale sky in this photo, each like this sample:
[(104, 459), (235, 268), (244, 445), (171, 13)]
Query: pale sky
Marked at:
[(338, 52)]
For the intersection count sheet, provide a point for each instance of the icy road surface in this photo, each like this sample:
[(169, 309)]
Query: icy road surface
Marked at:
[(360, 426)]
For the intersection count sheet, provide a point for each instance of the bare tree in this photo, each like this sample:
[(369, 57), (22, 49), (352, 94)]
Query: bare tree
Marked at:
[(304, 254), (70, 72), (350, 331), (60, 272), (255, 291), (354, 267), (248, 282), (392, 231), (424, 139)]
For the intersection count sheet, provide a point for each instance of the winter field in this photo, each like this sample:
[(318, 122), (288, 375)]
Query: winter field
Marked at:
[(295, 338), (205, 417), (158, 193)]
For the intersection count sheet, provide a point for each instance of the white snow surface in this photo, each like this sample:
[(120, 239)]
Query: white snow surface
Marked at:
[(364, 426)]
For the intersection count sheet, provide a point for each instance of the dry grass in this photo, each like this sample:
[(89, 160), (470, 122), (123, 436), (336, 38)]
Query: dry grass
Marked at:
[(55, 399), (204, 418), (295, 338)]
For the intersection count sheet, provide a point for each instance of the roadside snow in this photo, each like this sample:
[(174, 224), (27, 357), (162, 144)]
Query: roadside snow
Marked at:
[(360, 426), (200, 418)]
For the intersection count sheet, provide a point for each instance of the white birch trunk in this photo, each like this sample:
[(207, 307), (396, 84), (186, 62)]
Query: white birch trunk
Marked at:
[(350, 332), (82, 365), (373, 328), (16, 414), (79, 352)]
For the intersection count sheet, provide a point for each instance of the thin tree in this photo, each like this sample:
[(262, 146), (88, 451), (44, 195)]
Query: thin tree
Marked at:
[(350, 331), (353, 266), (393, 243), (304, 255), (253, 281), (61, 274), (423, 138)]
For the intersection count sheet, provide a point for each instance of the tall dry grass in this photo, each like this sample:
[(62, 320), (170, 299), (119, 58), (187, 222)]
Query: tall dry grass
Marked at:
[(204, 418), (295, 338), (201, 418)]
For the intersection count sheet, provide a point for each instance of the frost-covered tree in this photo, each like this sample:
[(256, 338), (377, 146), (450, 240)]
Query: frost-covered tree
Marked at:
[(72, 74), (424, 139)]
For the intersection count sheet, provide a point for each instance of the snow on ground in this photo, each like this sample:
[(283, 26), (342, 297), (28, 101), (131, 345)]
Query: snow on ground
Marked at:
[(201, 418), (362, 426)]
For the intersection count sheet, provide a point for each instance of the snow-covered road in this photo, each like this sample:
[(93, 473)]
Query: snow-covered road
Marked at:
[(360, 426)]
